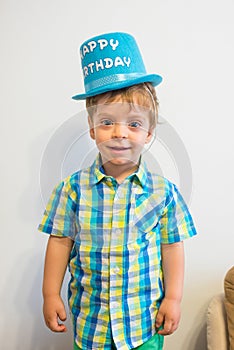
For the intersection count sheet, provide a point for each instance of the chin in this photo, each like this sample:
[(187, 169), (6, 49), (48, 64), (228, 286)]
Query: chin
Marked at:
[(122, 161)]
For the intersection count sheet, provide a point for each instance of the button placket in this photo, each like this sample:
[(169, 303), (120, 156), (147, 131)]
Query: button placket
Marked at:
[(116, 244), (118, 231), (121, 191)]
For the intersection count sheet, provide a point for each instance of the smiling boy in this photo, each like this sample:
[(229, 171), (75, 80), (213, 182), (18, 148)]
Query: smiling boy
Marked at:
[(120, 133), (119, 227)]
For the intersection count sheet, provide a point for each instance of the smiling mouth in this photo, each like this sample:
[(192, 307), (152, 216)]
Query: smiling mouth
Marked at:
[(119, 149)]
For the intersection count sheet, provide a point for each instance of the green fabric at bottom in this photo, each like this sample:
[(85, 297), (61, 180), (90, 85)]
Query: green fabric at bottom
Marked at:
[(154, 343)]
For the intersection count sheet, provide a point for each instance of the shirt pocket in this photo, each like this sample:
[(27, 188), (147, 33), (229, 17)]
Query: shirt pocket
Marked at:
[(145, 218)]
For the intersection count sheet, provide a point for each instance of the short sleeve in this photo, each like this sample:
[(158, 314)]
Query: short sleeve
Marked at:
[(60, 217), (176, 223)]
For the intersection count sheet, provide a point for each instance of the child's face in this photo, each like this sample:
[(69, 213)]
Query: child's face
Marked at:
[(120, 132)]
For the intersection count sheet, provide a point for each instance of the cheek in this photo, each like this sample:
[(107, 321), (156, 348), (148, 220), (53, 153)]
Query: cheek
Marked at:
[(100, 136), (141, 138)]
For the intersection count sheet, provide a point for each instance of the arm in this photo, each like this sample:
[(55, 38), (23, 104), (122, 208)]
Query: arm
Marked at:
[(173, 270), (56, 260)]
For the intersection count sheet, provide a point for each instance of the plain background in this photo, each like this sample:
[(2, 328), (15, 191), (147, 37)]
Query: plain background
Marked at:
[(190, 43)]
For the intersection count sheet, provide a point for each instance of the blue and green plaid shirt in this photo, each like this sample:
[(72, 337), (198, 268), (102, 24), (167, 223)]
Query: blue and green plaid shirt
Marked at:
[(116, 283)]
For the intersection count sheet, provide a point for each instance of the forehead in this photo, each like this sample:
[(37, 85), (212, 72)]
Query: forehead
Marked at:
[(121, 108), (138, 97)]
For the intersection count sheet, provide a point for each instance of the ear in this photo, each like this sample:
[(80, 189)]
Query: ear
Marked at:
[(149, 135), (91, 128)]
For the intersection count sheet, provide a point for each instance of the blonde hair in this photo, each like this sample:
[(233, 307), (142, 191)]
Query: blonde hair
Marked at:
[(143, 94)]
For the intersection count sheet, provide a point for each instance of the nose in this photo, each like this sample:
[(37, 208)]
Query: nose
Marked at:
[(120, 130)]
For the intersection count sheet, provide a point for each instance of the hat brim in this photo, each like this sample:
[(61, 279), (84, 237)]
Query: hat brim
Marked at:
[(154, 79)]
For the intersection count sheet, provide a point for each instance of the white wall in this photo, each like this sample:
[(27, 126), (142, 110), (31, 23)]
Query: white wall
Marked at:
[(191, 44)]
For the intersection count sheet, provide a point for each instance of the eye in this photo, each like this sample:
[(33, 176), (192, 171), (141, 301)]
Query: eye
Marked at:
[(134, 124), (106, 122)]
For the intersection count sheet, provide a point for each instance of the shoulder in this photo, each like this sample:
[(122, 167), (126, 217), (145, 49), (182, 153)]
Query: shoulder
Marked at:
[(159, 183), (73, 182), (167, 191)]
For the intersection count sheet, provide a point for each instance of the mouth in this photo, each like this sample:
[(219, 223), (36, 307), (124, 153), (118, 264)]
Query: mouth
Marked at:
[(118, 149)]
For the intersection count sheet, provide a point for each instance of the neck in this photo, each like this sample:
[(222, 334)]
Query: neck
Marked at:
[(120, 171)]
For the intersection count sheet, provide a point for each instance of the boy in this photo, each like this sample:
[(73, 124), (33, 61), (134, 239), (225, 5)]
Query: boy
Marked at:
[(119, 227)]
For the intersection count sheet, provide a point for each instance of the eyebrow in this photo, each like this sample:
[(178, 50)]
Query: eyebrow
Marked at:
[(104, 114), (130, 116)]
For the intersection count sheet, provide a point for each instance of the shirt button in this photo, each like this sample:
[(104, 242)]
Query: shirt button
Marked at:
[(118, 231), (114, 305), (120, 194), (116, 269)]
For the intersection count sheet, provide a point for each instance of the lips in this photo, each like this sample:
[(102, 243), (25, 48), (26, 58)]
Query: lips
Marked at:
[(118, 149)]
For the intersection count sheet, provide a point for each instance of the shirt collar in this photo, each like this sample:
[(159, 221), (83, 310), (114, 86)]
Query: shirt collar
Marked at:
[(98, 173), (142, 173)]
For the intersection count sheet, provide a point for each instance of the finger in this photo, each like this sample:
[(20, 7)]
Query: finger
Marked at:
[(55, 326), (159, 319), (174, 327), (167, 328), (62, 314), (164, 331)]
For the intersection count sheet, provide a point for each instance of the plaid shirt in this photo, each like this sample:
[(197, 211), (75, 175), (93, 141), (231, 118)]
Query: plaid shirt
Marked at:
[(116, 283)]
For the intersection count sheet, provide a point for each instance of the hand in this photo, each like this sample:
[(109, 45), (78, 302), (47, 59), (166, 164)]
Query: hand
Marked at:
[(53, 310), (168, 316)]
